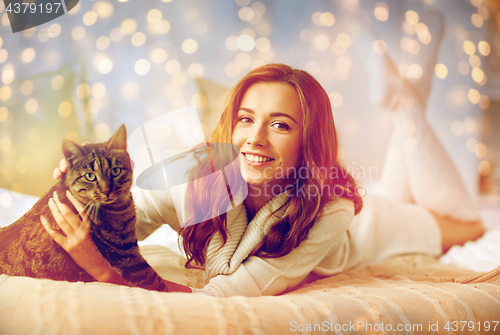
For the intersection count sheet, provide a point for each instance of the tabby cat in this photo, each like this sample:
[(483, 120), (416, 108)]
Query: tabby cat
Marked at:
[(100, 177)]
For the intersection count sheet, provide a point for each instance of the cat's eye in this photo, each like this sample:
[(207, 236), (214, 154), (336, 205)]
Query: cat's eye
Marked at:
[(115, 172), (90, 176)]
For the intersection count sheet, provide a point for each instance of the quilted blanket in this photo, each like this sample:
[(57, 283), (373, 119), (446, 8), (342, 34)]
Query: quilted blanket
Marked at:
[(411, 294)]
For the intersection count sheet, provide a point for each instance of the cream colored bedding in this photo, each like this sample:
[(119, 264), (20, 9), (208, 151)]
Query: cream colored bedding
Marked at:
[(412, 292)]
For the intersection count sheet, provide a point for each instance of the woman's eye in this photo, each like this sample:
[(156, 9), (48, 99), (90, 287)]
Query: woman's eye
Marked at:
[(245, 119), (115, 172), (90, 176), (281, 126)]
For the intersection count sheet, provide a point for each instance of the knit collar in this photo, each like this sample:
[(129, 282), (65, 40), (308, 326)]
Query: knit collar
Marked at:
[(242, 236)]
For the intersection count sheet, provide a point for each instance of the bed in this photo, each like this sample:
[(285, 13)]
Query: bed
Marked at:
[(82, 75), (409, 294)]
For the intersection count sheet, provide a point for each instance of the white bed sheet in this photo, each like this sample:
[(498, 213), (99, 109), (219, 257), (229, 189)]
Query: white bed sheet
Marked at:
[(481, 255)]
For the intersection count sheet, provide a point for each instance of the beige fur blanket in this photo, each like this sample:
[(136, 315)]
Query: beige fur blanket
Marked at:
[(412, 294)]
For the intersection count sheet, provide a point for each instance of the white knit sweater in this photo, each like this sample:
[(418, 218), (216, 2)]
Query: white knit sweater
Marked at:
[(228, 271)]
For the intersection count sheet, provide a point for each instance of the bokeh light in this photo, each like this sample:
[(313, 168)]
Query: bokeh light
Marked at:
[(78, 33), (477, 20), (480, 150), (180, 78), (246, 14), (189, 46), (4, 113), (103, 9), (262, 44), (128, 26), (102, 43), (474, 61), (162, 27), (31, 106), (89, 18), (83, 91), (65, 108), (98, 90), (344, 40), (484, 168), (245, 42), (57, 82), (321, 42), (158, 55), (138, 39), (474, 96), (477, 75), (8, 74), (142, 67), (198, 100), (27, 87), (381, 11), (412, 17), (327, 19), (441, 71), (484, 102), (54, 30), (484, 47), (105, 66), (469, 48), (457, 128), (154, 16), (172, 66), (195, 70), (5, 93), (3, 55), (5, 144)]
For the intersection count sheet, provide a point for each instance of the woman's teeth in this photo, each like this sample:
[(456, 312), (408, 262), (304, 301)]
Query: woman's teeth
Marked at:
[(257, 159)]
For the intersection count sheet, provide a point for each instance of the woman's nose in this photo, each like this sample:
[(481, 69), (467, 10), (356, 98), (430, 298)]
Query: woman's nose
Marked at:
[(257, 137)]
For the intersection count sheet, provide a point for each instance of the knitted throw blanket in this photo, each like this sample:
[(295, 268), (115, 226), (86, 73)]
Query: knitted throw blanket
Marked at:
[(413, 293)]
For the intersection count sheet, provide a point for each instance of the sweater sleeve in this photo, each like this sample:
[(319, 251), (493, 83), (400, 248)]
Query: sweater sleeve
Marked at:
[(270, 276), (153, 209)]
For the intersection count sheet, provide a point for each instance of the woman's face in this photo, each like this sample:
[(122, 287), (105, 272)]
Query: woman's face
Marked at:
[(268, 132)]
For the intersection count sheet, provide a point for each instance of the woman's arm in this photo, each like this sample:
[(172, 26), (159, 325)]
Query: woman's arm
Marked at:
[(78, 243)]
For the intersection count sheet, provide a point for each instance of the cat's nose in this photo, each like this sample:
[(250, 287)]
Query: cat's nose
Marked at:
[(107, 192)]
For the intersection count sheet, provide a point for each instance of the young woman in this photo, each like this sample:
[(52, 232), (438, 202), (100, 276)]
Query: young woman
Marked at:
[(281, 120)]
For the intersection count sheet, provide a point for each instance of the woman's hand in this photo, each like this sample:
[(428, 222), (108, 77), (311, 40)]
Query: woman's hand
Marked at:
[(78, 241), (62, 169)]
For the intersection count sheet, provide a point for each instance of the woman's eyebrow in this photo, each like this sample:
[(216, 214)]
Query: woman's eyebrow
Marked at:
[(248, 110)]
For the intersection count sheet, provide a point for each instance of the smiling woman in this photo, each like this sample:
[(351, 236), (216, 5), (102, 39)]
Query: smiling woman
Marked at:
[(281, 120), (269, 136), (301, 218)]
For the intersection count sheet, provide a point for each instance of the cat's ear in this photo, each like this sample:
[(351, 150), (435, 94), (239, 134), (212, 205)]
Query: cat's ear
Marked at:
[(119, 139), (70, 148)]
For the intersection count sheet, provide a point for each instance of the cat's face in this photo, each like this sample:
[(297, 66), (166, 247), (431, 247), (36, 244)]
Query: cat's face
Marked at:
[(99, 173)]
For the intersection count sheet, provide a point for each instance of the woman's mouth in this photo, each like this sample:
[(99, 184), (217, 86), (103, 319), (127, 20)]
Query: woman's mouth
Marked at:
[(256, 160)]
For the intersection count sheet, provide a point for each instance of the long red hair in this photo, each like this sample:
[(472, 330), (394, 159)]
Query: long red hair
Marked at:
[(320, 152)]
